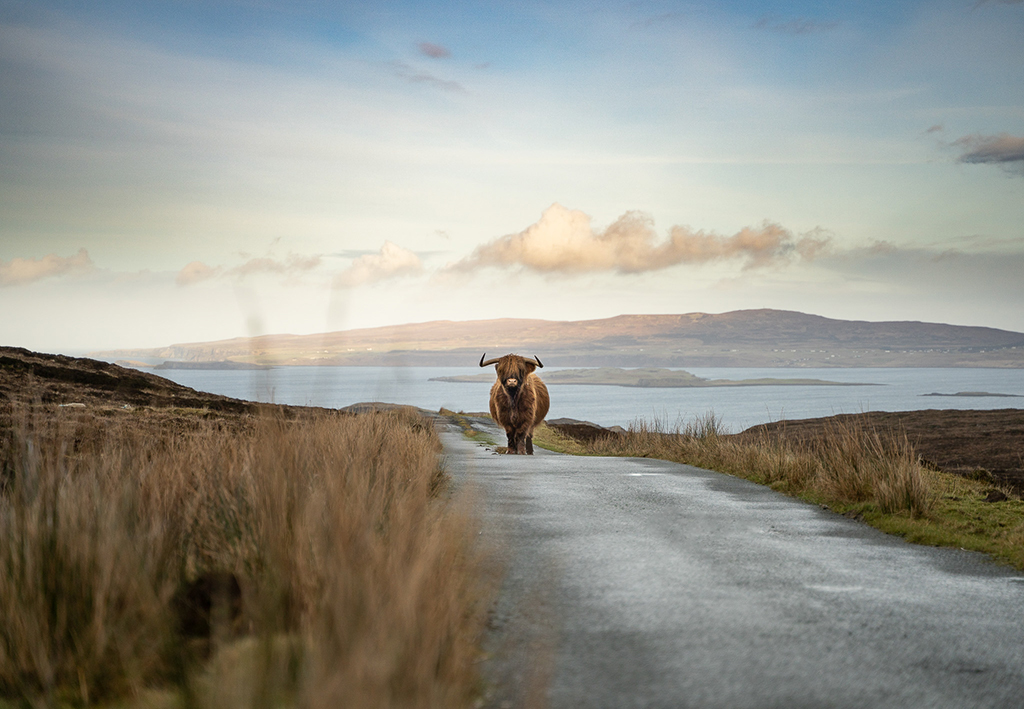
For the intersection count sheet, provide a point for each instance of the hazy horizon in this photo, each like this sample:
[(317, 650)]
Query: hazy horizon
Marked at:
[(177, 171)]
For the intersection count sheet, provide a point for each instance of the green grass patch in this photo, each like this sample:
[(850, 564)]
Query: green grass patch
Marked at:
[(548, 438), (961, 517), (462, 420)]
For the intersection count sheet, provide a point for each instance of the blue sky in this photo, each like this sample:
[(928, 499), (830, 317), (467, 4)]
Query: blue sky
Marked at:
[(187, 171)]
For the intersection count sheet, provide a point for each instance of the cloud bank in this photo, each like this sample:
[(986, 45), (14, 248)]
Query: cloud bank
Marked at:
[(293, 265), (391, 261), (434, 51), (195, 272), (417, 76), (20, 271), (1004, 149), (564, 241)]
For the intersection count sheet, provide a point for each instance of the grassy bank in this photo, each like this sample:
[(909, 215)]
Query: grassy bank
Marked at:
[(856, 471), (318, 561)]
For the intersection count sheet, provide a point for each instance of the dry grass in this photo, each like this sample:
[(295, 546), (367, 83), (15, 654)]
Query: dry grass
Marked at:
[(359, 582), (849, 465)]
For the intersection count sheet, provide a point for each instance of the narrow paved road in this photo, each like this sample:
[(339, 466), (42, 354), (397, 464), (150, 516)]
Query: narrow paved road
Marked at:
[(639, 583)]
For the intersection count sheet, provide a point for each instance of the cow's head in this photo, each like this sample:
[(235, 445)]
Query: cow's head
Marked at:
[(512, 370)]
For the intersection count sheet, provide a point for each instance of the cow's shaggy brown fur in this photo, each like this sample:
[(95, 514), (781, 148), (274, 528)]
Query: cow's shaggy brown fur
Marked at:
[(519, 400)]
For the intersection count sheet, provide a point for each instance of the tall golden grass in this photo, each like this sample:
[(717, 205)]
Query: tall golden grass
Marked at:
[(360, 582), (850, 464)]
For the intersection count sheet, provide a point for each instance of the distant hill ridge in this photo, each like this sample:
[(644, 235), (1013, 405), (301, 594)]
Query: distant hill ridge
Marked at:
[(754, 338)]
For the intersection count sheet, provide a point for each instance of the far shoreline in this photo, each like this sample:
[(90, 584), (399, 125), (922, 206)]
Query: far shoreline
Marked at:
[(648, 378)]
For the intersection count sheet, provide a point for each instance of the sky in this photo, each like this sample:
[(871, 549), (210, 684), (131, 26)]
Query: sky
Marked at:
[(192, 170)]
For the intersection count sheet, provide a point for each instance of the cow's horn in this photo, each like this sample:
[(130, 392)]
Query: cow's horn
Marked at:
[(536, 360), (489, 362)]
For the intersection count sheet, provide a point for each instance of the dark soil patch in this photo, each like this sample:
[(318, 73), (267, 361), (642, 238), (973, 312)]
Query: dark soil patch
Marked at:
[(583, 431), (986, 445)]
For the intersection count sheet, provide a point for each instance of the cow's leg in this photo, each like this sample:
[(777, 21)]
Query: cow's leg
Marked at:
[(513, 442), (529, 444), (517, 443)]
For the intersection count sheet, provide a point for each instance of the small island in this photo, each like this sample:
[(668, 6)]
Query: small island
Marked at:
[(220, 365), (973, 394), (651, 377)]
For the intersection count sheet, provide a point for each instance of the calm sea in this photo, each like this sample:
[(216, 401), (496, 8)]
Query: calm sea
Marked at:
[(738, 407)]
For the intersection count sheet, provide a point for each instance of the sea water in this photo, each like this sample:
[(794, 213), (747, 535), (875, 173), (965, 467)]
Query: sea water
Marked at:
[(892, 389)]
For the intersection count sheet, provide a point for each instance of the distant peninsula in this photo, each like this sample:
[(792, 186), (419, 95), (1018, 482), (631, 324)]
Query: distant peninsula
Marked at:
[(650, 377), (743, 338)]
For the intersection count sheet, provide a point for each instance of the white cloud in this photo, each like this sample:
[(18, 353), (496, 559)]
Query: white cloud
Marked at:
[(391, 262), (19, 271), (564, 241)]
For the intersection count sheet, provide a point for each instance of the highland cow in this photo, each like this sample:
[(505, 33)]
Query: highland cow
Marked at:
[(519, 399)]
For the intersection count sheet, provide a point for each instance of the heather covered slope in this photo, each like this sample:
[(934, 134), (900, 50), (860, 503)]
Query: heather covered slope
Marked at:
[(984, 444), (56, 379), (752, 338)]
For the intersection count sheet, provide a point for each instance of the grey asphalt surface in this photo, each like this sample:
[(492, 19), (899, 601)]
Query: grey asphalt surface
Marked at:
[(640, 583)]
